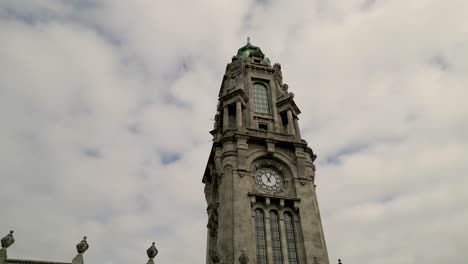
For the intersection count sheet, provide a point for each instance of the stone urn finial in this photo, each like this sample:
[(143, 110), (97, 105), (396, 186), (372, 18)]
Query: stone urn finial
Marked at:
[(243, 259), (339, 261), (8, 240), (152, 251), (315, 260), (82, 246)]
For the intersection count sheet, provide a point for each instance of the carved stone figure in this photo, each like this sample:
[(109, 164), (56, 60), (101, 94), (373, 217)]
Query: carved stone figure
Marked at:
[(213, 222), (243, 259), (82, 246), (278, 75), (152, 251), (8, 240)]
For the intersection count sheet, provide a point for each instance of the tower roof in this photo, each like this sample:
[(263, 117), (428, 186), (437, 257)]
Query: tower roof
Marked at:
[(249, 50)]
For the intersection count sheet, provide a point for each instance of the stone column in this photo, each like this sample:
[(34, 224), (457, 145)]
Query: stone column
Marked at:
[(268, 233), (225, 118), (284, 243), (239, 113), (3, 255), (290, 123), (78, 259)]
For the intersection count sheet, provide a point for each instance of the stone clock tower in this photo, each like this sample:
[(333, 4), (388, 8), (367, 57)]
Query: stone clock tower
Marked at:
[(259, 179)]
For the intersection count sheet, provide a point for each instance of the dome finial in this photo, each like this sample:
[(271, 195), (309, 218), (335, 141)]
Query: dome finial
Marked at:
[(248, 40)]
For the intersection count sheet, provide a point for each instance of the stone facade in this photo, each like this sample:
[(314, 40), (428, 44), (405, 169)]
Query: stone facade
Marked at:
[(244, 142)]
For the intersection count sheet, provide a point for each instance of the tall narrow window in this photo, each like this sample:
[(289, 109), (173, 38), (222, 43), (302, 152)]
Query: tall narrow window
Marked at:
[(260, 237), (275, 239), (290, 239), (261, 104)]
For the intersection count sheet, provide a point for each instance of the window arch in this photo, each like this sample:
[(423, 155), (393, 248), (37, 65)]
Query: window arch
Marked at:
[(260, 237), (290, 238), (261, 100), (275, 238)]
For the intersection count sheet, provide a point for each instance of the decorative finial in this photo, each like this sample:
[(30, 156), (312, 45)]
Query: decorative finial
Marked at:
[(339, 261), (315, 260), (82, 246), (8, 240), (243, 259), (215, 257), (248, 40), (152, 251)]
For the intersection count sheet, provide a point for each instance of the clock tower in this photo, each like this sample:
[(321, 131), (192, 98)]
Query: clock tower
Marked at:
[(259, 179)]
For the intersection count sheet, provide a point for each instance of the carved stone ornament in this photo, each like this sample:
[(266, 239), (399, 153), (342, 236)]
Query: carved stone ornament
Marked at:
[(82, 246), (315, 261), (277, 66), (285, 87), (152, 251), (220, 178), (302, 181), (243, 259), (339, 261), (213, 222), (215, 257), (8, 240)]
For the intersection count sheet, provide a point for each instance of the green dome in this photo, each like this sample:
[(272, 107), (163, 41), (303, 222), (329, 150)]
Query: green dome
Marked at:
[(250, 50)]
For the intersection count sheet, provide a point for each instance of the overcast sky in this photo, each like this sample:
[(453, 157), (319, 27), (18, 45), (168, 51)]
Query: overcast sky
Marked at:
[(105, 109)]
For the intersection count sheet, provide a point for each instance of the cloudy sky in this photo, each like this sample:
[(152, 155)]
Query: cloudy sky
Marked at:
[(105, 108)]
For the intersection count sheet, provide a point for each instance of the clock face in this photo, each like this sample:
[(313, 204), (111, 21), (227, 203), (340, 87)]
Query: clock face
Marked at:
[(269, 180)]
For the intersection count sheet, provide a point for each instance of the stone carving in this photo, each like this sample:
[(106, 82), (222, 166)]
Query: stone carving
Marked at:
[(82, 246), (220, 178), (243, 258), (339, 261), (315, 261), (302, 181), (285, 87), (8, 240), (215, 257), (278, 75), (152, 251), (213, 222), (291, 95)]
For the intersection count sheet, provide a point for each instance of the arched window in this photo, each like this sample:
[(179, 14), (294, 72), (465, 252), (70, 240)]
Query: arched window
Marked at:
[(290, 238), (260, 237), (275, 238), (261, 102)]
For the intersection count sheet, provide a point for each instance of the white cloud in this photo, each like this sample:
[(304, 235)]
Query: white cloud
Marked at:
[(94, 94)]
